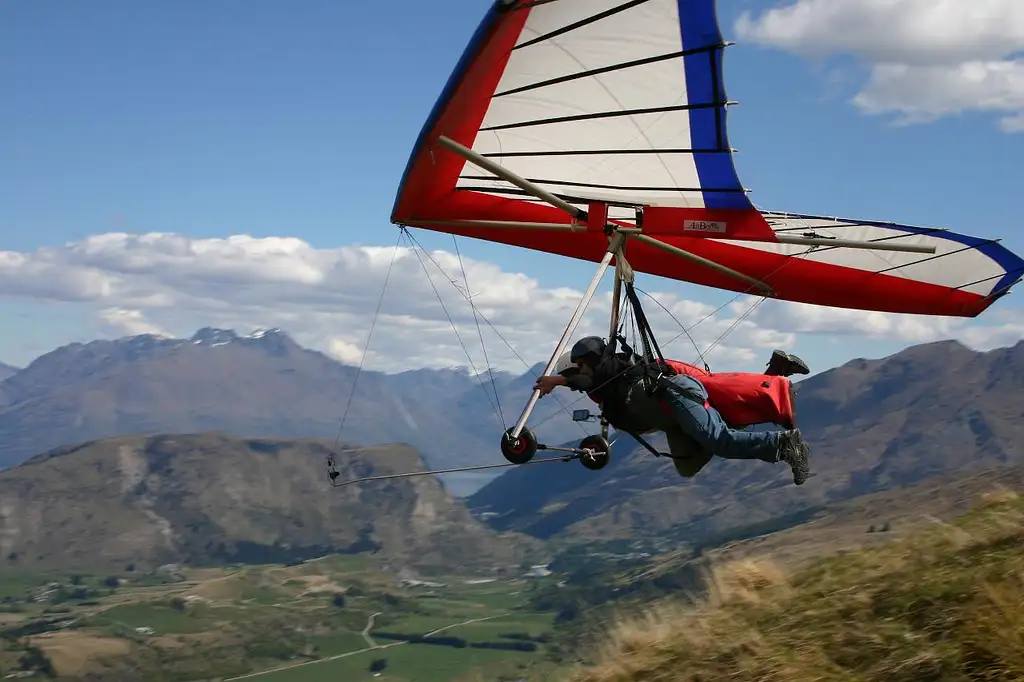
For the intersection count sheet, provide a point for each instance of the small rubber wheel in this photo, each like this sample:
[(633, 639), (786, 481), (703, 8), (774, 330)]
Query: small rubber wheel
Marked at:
[(602, 453), (519, 450)]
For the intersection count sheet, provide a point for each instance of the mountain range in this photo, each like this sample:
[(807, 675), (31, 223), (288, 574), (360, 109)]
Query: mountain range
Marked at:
[(212, 448), (263, 384), (872, 425)]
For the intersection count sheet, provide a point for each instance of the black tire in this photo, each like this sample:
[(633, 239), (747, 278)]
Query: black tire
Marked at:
[(520, 450), (602, 453)]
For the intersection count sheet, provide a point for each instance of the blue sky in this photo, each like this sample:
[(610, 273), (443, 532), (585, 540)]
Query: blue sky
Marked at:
[(277, 119)]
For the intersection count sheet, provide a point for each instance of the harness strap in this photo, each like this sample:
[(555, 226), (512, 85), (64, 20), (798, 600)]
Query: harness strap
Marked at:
[(665, 385), (650, 346), (650, 448), (652, 384)]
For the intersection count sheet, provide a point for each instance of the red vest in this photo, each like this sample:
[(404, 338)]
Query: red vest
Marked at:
[(743, 398)]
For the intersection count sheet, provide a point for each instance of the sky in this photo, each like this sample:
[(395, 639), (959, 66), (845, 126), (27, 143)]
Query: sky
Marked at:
[(174, 165)]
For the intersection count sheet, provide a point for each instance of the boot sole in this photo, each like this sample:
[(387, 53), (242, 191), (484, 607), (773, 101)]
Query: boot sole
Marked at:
[(801, 465)]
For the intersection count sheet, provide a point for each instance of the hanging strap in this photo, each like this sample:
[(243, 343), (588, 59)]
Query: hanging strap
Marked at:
[(649, 343), (649, 447), (627, 349)]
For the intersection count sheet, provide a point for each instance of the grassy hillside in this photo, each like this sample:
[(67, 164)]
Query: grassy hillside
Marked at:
[(944, 604), (921, 600)]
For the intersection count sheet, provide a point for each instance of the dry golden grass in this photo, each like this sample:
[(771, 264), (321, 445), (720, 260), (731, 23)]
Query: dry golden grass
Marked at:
[(943, 605), (999, 495), (71, 652), (744, 581), (201, 574)]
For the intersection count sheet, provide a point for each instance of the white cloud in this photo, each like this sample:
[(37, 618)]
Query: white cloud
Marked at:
[(171, 285), (1000, 328), (130, 322), (344, 351), (924, 93), (927, 58)]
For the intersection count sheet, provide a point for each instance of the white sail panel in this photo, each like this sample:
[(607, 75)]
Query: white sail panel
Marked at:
[(969, 264), (607, 77), (640, 31)]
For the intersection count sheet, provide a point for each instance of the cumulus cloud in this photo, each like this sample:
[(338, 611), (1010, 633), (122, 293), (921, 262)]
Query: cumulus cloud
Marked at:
[(171, 285), (927, 58), (1001, 328), (131, 322)]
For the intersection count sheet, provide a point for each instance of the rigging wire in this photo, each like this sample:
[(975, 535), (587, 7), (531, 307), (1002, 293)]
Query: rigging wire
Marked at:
[(519, 357), (760, 299), (543, 460), (456, 330), (685, 330), (416, 249), (480, 334), (366, 346), (416, 243), (735, 324)]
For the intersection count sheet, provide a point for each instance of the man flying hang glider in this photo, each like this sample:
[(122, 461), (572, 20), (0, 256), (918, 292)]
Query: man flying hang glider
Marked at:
[(698, 411)]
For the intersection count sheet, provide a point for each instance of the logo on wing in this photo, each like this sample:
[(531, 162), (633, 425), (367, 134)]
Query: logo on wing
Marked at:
[(714, 226)]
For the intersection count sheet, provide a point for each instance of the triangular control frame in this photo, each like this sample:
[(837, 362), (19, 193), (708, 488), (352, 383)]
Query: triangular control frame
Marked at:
[(518, 444)]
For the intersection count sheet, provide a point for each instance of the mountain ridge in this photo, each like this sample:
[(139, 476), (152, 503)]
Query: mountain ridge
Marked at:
[(208, 498), (265, 384), (262, 384)]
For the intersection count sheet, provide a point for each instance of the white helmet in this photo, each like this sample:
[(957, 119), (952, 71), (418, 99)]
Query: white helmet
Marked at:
[(565, 363)]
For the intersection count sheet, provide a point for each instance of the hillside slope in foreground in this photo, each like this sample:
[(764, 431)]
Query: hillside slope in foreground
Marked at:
[(944, 604)]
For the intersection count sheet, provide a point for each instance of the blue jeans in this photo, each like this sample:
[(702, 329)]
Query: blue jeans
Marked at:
[(705, 425)]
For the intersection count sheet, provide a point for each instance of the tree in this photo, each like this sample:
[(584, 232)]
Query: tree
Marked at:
[(339, 601), (378, 665), (35, 659)]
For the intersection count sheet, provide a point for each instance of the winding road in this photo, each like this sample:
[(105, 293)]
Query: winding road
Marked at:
[(366, 631), (369, 640)]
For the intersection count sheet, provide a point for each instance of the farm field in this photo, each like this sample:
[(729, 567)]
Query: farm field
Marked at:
[(335, 616)]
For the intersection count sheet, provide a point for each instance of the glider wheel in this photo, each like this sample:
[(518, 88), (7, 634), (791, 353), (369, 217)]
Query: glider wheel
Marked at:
[(519, 450), (602, 453)]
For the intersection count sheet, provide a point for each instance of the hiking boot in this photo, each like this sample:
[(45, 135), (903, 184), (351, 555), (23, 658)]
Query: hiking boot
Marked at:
[(793, 451), (783, 364)]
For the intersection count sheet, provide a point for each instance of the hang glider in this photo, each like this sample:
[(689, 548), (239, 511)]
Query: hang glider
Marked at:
[(586, 128), (606, 103)]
